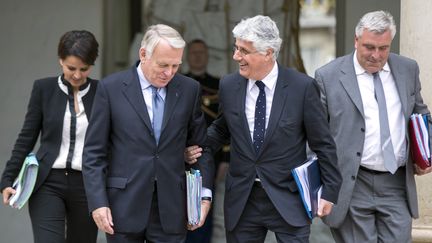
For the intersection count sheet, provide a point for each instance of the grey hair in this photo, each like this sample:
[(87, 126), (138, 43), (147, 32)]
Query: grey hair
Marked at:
[(377, 22), (261, 31), (157, 32)]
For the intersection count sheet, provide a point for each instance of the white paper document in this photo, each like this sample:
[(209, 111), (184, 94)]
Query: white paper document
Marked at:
[(193, 191)]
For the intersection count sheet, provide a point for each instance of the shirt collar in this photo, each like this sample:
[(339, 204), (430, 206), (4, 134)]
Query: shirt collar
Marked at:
[(359, 70), (145, 84), (269, 80), (65, 87), (143, 81)]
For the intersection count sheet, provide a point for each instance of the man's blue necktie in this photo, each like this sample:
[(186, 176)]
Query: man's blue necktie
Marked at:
[(260, 117), (386, 144), (158, 110)]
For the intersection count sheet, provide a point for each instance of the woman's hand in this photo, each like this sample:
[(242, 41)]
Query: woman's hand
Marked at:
[(7, 193)]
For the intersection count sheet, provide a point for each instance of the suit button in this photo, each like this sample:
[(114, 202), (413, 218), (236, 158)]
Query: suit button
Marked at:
[(362, 129), (358, 154), (353, 178)]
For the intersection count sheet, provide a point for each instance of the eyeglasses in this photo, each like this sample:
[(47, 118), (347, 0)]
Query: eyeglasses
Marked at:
[(243, 52)]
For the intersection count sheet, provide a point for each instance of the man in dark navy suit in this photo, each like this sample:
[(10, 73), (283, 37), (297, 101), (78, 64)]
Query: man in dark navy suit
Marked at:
[(268, 112), (134, 170)]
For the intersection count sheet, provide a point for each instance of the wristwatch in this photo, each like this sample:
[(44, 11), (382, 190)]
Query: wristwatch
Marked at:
[(206, 199)]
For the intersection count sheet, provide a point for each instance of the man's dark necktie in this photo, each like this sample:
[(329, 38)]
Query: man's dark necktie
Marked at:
[(158, 110), (260, 117), (386, 143)]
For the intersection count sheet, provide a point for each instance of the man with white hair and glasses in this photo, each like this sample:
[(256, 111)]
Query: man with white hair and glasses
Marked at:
[(268, 112)]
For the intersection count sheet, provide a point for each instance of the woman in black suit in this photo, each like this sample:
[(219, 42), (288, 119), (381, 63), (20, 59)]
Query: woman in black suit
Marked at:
[(58, 111)]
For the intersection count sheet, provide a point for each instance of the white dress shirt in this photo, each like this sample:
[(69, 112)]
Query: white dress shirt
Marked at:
[(252, 95), (147, 92), (372, 157)]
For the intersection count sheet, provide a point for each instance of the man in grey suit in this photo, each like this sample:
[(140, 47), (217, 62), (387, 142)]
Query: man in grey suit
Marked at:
[(134, 169), (268, 112), (369, 96)]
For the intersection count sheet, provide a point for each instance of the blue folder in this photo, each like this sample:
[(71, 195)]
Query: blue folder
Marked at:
[(308, 179)]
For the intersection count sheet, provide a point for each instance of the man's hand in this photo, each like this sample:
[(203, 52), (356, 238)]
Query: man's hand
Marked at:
[(419, 171), (7, 193), (205, 208), (192, 153), (325, 207), (103, 219)]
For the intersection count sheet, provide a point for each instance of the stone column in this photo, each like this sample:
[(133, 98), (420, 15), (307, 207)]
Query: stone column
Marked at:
[(416, 43)]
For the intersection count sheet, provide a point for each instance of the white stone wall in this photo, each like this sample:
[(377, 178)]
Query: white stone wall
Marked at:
[(416, 43)]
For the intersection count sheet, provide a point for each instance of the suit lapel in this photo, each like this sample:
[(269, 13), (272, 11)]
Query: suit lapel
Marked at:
[(133, 93), (172, 96), (87, 105), (400, 81), (240, 90), (279, 97), (59, 107), (88, 98), (348, 80)]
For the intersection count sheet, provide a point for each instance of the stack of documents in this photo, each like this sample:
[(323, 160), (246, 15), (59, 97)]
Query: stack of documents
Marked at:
[(308, 179), (193, 189), (419, 140), (25, 182)]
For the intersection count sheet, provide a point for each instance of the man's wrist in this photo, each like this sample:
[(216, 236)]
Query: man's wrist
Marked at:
[(206, 199)]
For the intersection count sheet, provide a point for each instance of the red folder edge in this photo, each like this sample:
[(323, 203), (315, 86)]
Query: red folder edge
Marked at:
[(415, 149)]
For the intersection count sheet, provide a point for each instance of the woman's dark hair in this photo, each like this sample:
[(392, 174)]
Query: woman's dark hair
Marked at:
[(79, 43)]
